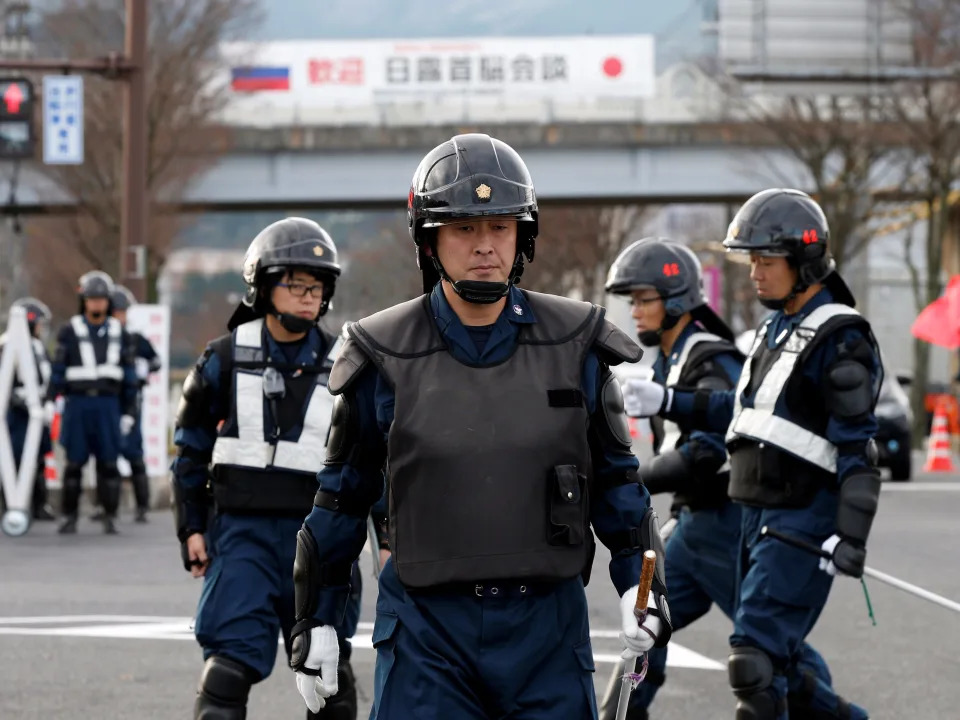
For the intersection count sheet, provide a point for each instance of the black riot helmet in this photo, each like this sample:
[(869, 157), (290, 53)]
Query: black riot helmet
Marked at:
[(38, 314), (471, 176), (291, 244), (787, 223), (122, 298), (674, 271), (95, 284)]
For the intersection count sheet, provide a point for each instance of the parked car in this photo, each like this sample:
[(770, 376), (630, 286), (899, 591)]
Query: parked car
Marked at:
[(894, 420)]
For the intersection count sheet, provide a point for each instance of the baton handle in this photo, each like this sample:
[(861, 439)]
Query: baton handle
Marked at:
[(646, 582)]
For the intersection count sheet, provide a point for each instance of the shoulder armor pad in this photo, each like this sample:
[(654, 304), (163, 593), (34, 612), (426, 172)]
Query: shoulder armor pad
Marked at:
[(350, 361), (559, 319), (404, 330), (614, 346)]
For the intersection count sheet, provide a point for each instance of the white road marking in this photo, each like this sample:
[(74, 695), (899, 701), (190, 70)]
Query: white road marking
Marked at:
[(143, 627)]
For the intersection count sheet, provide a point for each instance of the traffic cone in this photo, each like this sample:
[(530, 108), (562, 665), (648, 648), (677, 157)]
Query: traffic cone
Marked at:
[(938, 447)]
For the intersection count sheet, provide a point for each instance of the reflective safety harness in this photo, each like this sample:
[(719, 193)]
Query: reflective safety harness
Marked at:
[(760, 423), (89, 370), (252, 448)]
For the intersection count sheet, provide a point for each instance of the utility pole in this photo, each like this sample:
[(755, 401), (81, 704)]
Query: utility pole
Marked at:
[(131, 69)]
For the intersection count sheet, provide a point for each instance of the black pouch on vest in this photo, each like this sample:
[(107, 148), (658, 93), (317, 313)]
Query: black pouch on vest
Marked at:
[(567, 506), (763, 475)]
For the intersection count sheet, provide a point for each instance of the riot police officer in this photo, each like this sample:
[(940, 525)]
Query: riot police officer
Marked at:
[(799, 429), (665, 284), (256, 410), (502, 432), (18, 416), (146, 361), (92, 369)]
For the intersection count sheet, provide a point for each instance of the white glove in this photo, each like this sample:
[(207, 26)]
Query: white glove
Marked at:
[(644, 398), (324, 655), (635, 637), (49, 411), (126, 424), (830, 544)]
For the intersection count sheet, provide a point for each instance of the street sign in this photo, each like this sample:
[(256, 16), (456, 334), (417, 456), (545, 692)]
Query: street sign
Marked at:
[(63, 119), (16, 118)]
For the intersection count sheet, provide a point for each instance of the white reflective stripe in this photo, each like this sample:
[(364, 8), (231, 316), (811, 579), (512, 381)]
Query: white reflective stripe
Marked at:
[(745, 376), (759, 422), (249, 398), (778, 375), (78, 373), (89, 370), (250, 449), (309, 451), (673, 377), (671, 431), (764, 426), (88, 358), (114, 336), (234, 451), (250, 334)]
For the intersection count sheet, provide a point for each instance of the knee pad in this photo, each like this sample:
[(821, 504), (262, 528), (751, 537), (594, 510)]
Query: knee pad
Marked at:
[(223, 690), (751, 678), (72, 474), (107, 471)]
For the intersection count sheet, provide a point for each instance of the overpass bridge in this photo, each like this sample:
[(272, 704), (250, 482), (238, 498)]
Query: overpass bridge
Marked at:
[(363, 167)]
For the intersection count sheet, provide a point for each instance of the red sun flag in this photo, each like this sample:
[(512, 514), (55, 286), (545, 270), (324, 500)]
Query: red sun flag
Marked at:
[(612, 66)]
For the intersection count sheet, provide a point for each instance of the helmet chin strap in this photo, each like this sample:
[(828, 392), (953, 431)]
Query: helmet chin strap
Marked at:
[(781, 303), (650, 338), (294, 323), (481, 292)]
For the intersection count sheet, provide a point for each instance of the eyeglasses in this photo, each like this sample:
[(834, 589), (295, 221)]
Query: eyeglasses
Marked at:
[(298, 289), (643, 302)]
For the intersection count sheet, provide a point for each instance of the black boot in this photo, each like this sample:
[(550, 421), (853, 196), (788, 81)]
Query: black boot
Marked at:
[(69, 526)]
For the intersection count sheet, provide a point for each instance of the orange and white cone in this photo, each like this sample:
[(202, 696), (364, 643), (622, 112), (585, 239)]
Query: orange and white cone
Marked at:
[(938, 448)]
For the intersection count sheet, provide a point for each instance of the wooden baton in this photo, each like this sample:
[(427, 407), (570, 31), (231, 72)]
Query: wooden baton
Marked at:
[(646, 582)]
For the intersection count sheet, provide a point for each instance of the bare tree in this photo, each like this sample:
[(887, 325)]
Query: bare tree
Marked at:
[(376, 275), (928, 110), (841, 142), (576, 247), (184, 96)]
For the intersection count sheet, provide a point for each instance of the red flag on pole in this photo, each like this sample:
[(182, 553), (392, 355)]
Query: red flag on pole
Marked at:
[(939, 322)]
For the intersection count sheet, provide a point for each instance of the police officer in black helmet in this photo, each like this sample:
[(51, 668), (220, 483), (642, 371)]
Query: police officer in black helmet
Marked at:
[(799, 429), (94, 372), (253, 419), (502, 432), (665, 284)]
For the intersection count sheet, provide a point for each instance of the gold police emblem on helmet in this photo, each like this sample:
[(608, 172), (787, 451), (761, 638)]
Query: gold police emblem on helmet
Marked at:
[(317, 250), (483, 191)]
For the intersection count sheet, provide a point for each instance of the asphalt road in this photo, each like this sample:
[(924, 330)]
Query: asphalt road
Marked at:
[(98, 627)]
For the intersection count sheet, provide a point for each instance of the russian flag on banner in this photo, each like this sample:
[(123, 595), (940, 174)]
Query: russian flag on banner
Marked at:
[(251, 79)]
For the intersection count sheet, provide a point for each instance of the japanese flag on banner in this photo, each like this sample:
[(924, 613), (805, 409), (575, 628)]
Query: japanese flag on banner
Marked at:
[(153, 322)]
